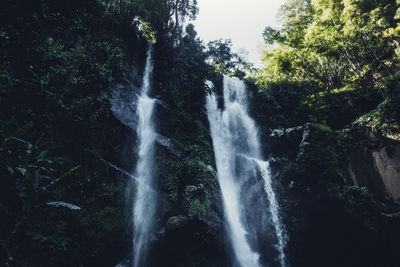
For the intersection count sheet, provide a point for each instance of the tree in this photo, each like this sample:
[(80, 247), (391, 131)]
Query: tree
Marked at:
[(181, 9), (333, 42), (220, 54)]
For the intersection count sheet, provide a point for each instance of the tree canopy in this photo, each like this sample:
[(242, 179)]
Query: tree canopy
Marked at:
[(331, 43), (338, 51)]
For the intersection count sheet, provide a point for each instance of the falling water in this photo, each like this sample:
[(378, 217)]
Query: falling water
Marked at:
[(238, 160), (274, 208), (144, 202)]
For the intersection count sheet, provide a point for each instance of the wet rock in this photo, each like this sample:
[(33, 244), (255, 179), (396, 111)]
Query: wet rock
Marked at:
[(123, 104), (362, 172), (168, 144), (373, 161), (284, 142), (176, 222), (387, 164), (191, 242)]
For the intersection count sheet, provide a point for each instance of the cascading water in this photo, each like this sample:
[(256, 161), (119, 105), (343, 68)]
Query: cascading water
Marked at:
[(239, 168), (274, 208), (144, 203)]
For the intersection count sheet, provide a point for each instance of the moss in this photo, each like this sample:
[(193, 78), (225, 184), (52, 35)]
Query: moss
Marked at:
[(197, 200), (379, 120), (324, 127)]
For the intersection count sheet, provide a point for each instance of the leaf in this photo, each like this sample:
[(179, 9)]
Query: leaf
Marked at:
[(63, 204), (44, 80), (22, 171), (24, 129), (69, 172), (11, 140), (42, 155)]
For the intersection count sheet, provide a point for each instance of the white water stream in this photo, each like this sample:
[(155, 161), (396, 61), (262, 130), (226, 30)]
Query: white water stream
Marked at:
[(144, 204), (239, 162)]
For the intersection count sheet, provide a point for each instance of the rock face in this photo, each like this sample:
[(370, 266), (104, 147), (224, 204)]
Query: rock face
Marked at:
[(387, 164), (188, 241), (363, 172), (374, 163), (335, 188)]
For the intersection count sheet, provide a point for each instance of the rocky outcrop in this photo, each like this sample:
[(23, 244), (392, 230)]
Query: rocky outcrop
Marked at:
[(356, 156), (334, 189), (387, 164), (362, 171), (373, 162)]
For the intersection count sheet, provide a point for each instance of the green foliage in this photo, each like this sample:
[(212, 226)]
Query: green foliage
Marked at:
[(385, 119), (359, 203), (193, 197), (182, 73), (271, 36), (189, 182), (330, 47), (332, 43), (220, 55), (381, 120), (57, 60), (181, 9)]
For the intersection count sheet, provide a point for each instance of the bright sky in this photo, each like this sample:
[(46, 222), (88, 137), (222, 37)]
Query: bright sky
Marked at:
[(242, 21)]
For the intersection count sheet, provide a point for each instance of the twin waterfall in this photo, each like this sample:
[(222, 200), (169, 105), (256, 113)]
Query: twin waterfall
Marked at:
[(251, 209), (239, 166)]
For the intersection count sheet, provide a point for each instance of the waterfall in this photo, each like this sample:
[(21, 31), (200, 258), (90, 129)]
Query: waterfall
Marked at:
[(240, 169), (144, 203), (273, 207)]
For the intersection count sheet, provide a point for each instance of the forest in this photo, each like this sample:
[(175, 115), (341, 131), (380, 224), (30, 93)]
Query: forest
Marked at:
[(326, 105)]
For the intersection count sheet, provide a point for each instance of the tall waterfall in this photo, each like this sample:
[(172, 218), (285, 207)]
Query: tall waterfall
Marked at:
[(144, 204), (245, 180)]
